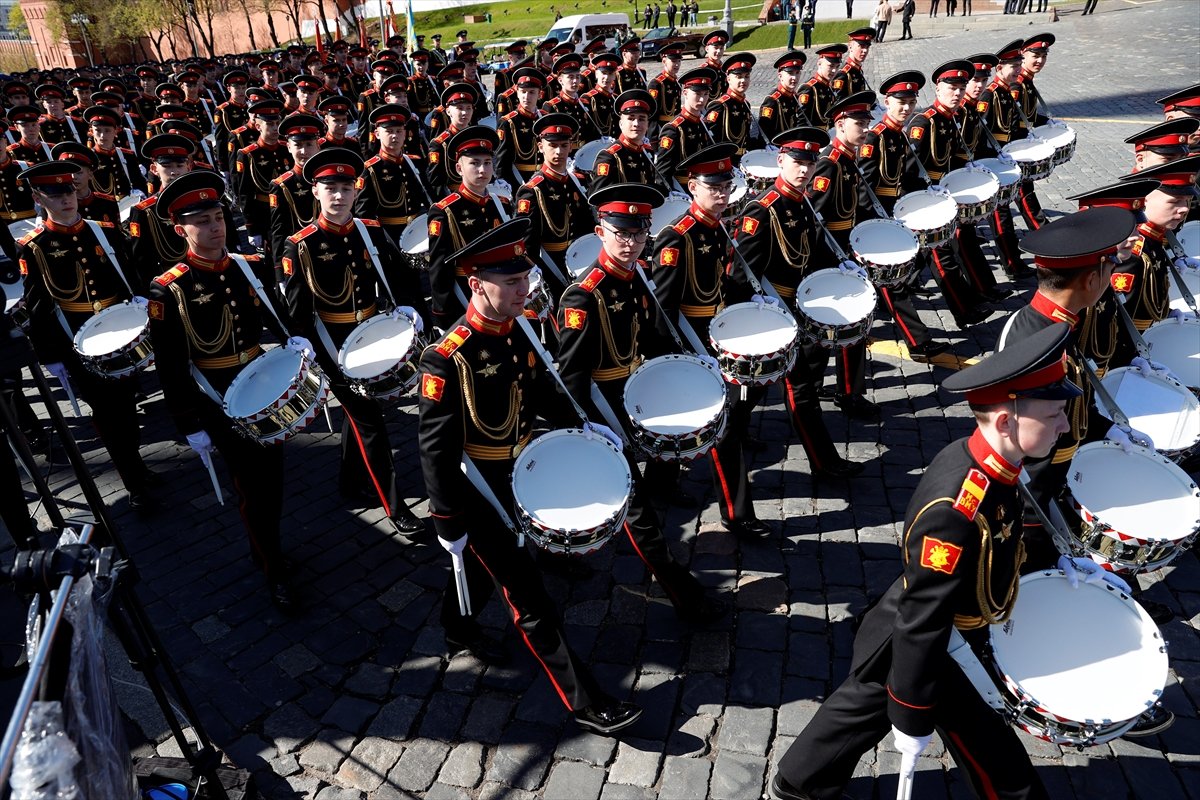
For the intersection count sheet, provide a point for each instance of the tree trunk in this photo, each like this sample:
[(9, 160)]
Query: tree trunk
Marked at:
[(249, 24), (324, 22), (271, 28)]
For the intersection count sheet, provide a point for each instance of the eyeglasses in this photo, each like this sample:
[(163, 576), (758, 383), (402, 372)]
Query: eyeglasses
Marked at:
[(717, 188), (628, 236)]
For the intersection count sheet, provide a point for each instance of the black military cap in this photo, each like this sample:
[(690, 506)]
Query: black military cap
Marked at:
[(571, 62), (671, 51), (168, 90), (631, 45), (605, 61), (437, 37), (474, 140), (960, 70), (699, 79), (908, 82), (189, 76), (419, 54), (288, 88), (1177, 177), (858, 104), (500, 250), (395, 83), (107, 98), (864, 36), (517, 47), (460, 93), (168, 147), (832, 52), (529, 78), (1082, 239), (333, 164), (190, 193), (173, 111), (79, 82), (635, 101), (1124, 194), (383, 65), (24, 114), (299, 127), (336, 104), (267, 109), (391, 114), (716, 37), (236, 76), (309, 83), (17, 87), (1185, 100), (626, 205), (80, 154), (555, 127), (1041, 41), (148, 72), (597, 45), (256, 93), (102, 115), (1033, 366), (332, 68), (1011, 51), (713, 164), (395, 40), (468, 55), (739, 62), (52, 177), (547, 44), (48, 91), (453, 71), (183, 128), (983, 62), (113, 85), (362, 52), (802, 144), (1166, 138), (267, 65)]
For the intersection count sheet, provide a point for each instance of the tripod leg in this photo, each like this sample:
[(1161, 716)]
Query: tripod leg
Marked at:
[(21, 445)]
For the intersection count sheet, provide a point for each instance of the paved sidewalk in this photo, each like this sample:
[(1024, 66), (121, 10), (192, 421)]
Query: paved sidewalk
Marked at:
[(356, 699)]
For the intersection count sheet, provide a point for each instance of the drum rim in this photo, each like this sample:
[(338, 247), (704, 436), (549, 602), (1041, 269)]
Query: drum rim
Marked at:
[(657, 362), (739, 308), (376, 320), (879, 224), (1192, 404), (244, 376), (840, 275)]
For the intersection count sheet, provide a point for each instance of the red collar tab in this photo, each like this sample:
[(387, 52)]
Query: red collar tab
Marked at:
[(702, 216), (483, 324), (613, 268), (787, 190), (1153, 231), (995, 465), (1052, 310), (74, 228), (207, 264), (329, 227)]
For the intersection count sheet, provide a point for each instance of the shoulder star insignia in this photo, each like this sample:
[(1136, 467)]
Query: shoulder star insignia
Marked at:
[(489, 370), (1005, 532), (791, 223)]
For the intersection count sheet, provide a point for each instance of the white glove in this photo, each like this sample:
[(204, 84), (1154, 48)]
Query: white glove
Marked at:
[(710, 361), (591, 429), (202, 444), (455, 548), (1127, 439), (762, 299), (256, 241), (139, 301), (1187, 262), (1179, 314), (300, 345), (1153, 368), (1090, 571), (937, 187), (911, 746), (413, 316), (852, 266), (59, 371)]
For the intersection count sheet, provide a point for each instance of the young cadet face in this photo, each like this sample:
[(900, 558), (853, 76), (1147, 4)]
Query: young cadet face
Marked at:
[(460, 114), (528, 97), (976, 85), (204, 231), (302, 150), (336, 198), (634, 126), (900, 107), (555, 153), (793, 170), (1035, 425), (499, 297), (1166, 210)]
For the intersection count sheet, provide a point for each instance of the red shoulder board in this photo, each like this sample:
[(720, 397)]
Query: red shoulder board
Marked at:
[(939, 556), (104, 196), (453, 340), (535, 180), (592, 280), (174, 272), (372, 161), (974, 487), (370, 223), (285, 176), (510, 114), (685, 224), (101, 222), (29, 237), (448, 200), (768, 198), (614, 148), (879, 126), (250, 148), (147, 203), (296, 237)]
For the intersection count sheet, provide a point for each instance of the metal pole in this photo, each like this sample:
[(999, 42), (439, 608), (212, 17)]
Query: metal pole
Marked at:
[(727, 20)]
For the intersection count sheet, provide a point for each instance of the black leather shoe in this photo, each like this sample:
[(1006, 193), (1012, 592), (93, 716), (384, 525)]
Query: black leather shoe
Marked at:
[(1156, 720), (144, 502), (406, 522), (747, 528), (924, 351), (922, 291), (1158, 612), (840, 468), (782, 790), (484, 648), (858, 407), (974, 315), (608, 719), (705, 612), (998, 294), (283, 597)]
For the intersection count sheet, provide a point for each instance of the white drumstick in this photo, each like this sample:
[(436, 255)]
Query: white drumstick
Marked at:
[(66, 384), (212, 474), (908, 769)]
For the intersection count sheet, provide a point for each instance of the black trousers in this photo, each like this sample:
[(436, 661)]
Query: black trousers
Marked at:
[(494, 561), (969, 251), (898, 300), (802, 391), (1006, 238), (114, 416), (366, 449), (1030, 206), (960, 297), (854, 719)]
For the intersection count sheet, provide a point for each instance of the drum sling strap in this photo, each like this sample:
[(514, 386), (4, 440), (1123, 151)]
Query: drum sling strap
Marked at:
[(373, 253), (102, 240)]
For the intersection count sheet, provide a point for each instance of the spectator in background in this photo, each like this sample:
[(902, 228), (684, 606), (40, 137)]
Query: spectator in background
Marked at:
[(808, 21), (671, 9), (657, 11), (883, 17), (1089, 7), (646, 16), (951, 5), (849, 9), (966, 12), (933, 7), (906, 16), (793, 19)]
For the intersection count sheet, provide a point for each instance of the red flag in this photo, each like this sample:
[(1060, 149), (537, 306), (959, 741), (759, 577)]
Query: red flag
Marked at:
[(320, 45)]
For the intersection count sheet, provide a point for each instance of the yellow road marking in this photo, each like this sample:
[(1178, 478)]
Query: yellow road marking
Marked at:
[(894, 349)]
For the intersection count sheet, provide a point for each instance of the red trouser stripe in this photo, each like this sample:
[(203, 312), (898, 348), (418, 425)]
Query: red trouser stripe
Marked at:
[(887, 297), (1030, 217), (1000, 240), (642, 556), (847, 377), (516, 615), (985, 783), (362, 448), (724, 486), (937, 262), (806, 440)]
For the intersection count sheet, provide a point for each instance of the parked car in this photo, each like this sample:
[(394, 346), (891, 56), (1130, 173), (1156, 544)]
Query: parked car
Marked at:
[(582, 28), (659, 38)]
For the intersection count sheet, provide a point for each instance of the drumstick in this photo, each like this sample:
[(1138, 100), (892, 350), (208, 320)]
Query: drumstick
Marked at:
[(212, 474), (481, 485), (1139, 344), (878, 206), (1114, 411), (1062, 539), (1184, 291), (66, 384), (908, 768)]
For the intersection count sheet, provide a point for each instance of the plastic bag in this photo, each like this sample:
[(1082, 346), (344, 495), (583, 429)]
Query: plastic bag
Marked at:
[(44, 765)]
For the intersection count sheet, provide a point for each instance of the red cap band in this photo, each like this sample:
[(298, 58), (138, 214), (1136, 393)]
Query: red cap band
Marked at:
[(857, 108), (1045, 376), (629, 209), (808, 147), (498, 255), (552, 129), (953, 74), (192, 198), (50, 180), (710, 167), (634, 105), (477, 144), (334, 170)]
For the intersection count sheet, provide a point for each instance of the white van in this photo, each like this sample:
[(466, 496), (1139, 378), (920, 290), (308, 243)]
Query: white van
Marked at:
[(585, 27)]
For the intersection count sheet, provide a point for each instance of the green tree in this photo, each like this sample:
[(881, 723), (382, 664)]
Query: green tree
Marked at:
[(16, 21)]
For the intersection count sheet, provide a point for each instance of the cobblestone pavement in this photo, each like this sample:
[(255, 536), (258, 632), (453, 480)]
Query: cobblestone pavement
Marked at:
[(356, 698)]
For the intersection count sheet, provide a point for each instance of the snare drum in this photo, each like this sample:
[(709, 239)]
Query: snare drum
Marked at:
[(974, 189), (930, 213), (582, 253), (1060, 136), (585, 156), (537, 303), (1162, 408), (886, 248), (1007, 172), (14, 293), (571, 491), (1176, 343), (490, 121), (1189, 238), (1084, 673), (676, 407), (1137, 510), (276, 395), (761, 168), (741, 188), (379, 357), (414, 241), (755, 342), (1033, 156), (666, 214), (835, 307), (22, 227), (1191, 279), (116, 341)]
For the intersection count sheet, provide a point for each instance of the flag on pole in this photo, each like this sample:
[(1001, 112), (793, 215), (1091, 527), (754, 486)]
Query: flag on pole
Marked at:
[(391, 22), (411, 36)]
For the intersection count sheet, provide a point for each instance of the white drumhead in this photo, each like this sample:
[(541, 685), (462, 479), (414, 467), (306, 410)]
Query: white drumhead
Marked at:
[(753, 329), (566, 481), (111, 329), (490, 121), (834, 297), (126, 204), (1054, 135), (1176, 343), (674, 395), (761, 164), (415, 238), (585, 156), (13, 292), (1029, 150), (667, 213), (582, 253), (262, 382), (1139, 493), (22, 226), (1189, 237), (1162, 409), (1097, 656), (925, 210), (1191, 279), (883, 241), (375, 346), (1005, 171), (740, 187), (970, 185)]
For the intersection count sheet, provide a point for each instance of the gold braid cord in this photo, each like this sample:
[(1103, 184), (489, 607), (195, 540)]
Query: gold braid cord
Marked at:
[(509, 426), (797, 258), (703, 298), (57, 292), (991, 612), (209, 347), (310, 278), (619, 359), (559, 231)]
